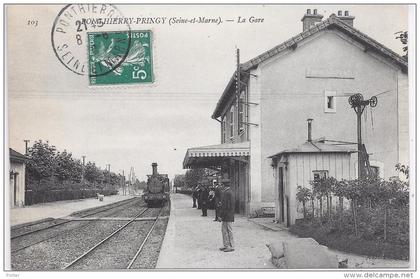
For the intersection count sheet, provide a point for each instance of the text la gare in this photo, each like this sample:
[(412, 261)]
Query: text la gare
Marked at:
[(251, 19)]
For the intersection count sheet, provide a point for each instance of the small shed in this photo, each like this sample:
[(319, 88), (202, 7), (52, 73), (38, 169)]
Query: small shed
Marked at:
[(298, 166), (17, 178)]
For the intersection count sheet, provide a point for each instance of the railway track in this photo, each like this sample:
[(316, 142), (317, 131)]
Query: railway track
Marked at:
[(57, 222), (130, 239), (135, 257), (85, 260), (68, 221)]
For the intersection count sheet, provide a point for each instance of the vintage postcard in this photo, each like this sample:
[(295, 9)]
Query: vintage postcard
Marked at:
[(210, 137)]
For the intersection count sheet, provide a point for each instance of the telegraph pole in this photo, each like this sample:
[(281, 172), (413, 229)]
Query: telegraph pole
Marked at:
[(238, 73), (26, 146), (358, 104), (26, 154), (83, 168), (123, 181), (109, 173)]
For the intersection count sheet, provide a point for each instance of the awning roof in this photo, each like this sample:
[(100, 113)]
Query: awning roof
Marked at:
[(215, 155)]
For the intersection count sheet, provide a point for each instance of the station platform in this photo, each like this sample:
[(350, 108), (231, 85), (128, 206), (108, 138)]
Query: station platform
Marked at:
[(58, 209), (192, 242)]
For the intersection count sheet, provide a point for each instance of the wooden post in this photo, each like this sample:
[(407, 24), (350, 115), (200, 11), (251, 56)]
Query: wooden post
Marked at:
[(313, 207), (360, 168), (320, 207), (353, 205), (385, 217)]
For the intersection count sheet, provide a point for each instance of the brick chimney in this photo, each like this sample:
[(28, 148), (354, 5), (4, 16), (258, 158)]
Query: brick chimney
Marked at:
[(310, 19), (346, 18), (309, 120)]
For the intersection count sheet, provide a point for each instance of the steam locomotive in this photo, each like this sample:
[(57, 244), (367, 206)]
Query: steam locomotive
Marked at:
[(157, 191)]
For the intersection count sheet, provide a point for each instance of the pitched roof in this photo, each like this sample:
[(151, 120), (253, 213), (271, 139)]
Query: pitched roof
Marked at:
[(316, 147), (16, 156), (332, 22)]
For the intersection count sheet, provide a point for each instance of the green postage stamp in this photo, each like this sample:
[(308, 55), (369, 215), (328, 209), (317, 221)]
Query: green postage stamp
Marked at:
[(120, 57)]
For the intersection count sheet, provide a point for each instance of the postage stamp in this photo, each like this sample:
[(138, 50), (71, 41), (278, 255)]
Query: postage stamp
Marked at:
[(120, 57), (70, 28)]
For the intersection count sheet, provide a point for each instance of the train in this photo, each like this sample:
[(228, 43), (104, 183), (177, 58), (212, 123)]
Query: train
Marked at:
[(157, 190)]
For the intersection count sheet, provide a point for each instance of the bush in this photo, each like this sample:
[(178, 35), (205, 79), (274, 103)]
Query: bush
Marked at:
[(375, 223), (328, 235)]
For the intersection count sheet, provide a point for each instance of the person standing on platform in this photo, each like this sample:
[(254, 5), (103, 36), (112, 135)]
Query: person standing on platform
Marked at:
[(199, 190), (204, 200), (217, 202), (194, 196), (227, 215), (211, 198)]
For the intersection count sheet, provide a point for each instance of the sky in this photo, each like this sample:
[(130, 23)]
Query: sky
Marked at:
[(133, 126)]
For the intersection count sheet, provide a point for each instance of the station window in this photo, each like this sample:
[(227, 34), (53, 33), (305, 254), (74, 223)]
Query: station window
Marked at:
[(330, 102), (319, 174)]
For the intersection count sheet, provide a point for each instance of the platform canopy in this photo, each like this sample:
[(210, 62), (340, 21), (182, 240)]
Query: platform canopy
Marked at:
[(215, 155)]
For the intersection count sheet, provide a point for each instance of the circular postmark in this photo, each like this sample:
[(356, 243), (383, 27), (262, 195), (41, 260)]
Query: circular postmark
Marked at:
[(96, 32)]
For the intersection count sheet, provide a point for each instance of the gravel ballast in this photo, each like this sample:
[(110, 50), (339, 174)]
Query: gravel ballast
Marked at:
[(57, 252), (54, 248), (66, 227), (116, 252), (150, 252)]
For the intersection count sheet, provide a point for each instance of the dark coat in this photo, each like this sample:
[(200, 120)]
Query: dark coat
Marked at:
[(204, 196), (196, 194), (218, 196), (227, 211)]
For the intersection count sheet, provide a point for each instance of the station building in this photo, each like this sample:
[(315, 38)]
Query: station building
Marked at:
[(264, 147), (17, 178)]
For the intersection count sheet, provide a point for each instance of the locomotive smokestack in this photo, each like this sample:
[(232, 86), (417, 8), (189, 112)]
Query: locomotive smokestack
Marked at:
[(154, 167)]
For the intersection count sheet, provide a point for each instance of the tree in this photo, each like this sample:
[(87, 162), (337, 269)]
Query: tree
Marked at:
[(303, 195), (339, 190), (66, 168), (76, 176), (115, 179), (179, 181), (106, 177), (322, 187), (92, 173), (41, 163), (140, 185), (193, 176)]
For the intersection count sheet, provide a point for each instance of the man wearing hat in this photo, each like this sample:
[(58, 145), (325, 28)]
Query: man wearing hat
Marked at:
[(199, 190), (194, 196), (204, 197), (227, 213), (217, 201)]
